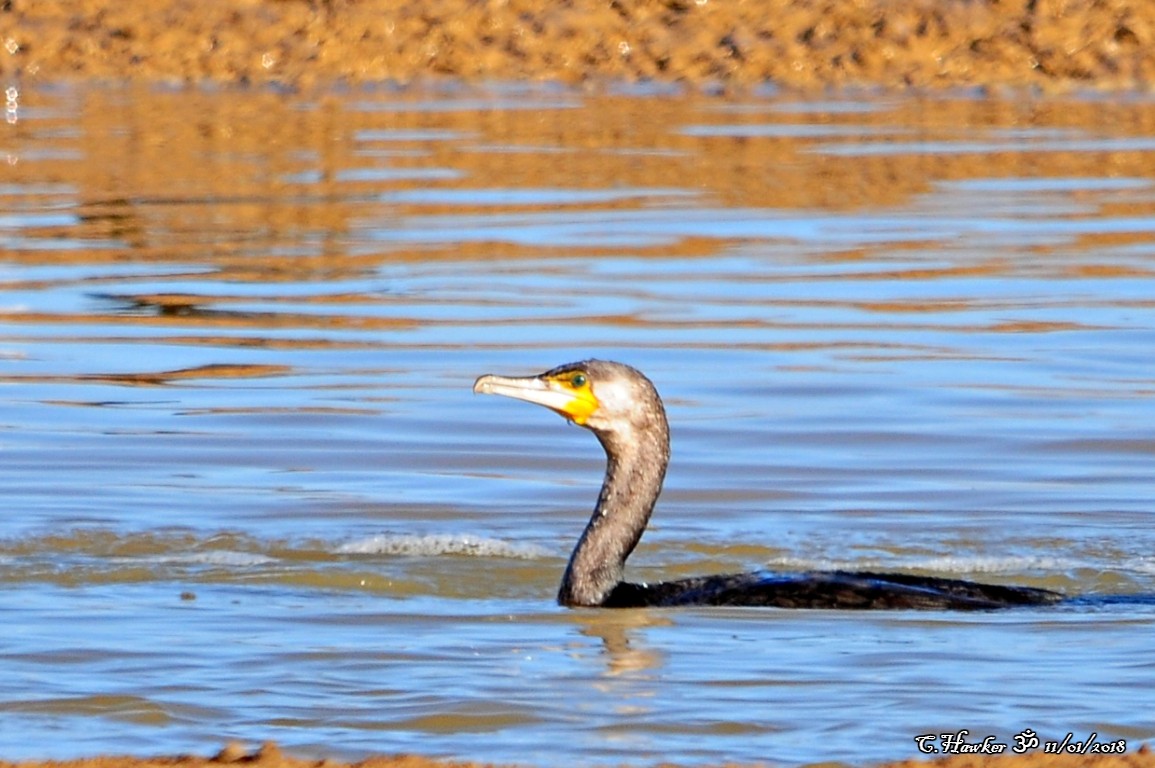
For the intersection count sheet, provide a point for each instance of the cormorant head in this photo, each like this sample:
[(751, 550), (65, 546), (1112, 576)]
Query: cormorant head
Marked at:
[(602, 396)]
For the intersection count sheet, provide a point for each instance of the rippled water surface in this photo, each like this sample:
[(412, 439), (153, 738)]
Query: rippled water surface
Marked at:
[(248, 493)]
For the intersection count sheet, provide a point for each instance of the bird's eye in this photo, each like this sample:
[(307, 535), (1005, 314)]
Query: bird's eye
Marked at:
[(578, 380)]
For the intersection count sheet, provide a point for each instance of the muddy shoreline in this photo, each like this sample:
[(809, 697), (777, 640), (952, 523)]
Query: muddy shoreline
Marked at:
[(1051, 45), (270, 755)]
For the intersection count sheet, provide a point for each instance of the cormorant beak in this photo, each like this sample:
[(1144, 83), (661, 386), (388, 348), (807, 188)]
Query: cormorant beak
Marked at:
[(575, 405)]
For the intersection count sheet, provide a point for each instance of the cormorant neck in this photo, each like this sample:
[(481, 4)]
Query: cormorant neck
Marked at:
[(636, 459)]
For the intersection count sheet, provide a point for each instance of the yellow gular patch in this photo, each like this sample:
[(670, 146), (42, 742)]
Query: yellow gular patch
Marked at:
[(583, 401)]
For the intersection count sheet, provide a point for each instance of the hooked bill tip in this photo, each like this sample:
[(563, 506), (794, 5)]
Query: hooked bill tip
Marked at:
[(483, 385)]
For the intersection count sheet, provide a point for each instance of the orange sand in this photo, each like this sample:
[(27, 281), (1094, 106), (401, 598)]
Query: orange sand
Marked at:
[(270, 756), (1052, 44)]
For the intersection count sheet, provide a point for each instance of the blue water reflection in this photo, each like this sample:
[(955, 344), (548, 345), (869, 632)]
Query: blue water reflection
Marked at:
[(250, 494)]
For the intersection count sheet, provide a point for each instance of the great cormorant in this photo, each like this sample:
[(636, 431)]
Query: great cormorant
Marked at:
[(622, 408)]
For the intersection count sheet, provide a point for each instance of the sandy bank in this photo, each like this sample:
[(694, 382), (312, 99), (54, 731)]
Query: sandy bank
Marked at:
[(1052, 44), (270, 756)]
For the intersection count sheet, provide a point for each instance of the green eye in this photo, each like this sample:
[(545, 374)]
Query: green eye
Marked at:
[(578, 380)]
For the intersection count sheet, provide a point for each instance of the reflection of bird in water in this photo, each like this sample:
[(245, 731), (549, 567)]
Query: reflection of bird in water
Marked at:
[(621, 407)]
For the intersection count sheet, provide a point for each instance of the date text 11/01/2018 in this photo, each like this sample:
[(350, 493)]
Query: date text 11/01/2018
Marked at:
[(1025, 741)]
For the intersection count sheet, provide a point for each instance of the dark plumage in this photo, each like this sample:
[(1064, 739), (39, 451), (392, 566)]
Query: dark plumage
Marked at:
[(622, 408)]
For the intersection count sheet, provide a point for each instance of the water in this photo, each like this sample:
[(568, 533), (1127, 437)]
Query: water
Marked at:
[(249, 495)]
